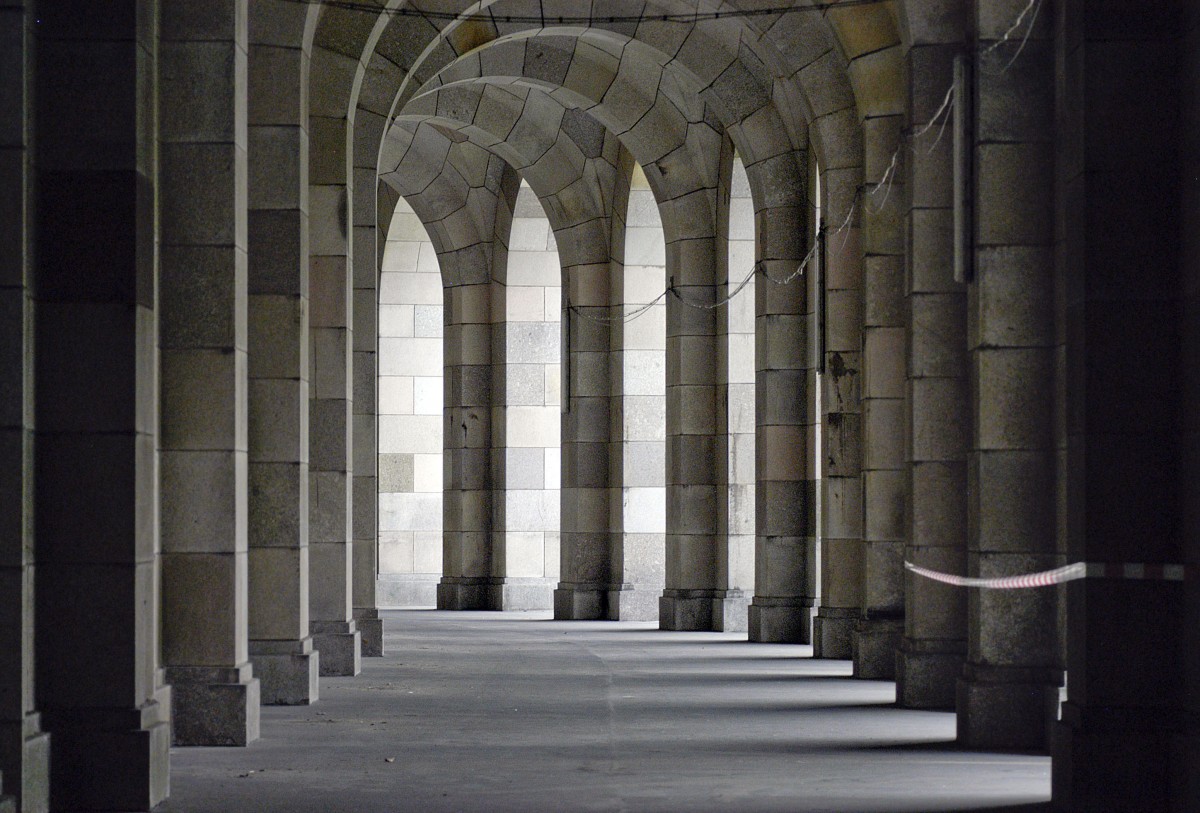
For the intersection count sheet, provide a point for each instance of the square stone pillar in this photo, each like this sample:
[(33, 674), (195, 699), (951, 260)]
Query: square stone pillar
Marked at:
[(467, 437), (278, 369), (364, 523), (1128, 738), (736, 398), (203, 340), (692, 596), (1010, 681), (331, 427), (785, 501), (586, 588), (24, 748), (937, 411), (840, 421), (877, 631), (96, 608)]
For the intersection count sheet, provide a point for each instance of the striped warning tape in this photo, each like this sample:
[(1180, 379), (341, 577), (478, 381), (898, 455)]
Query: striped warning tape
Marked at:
[(1067, 573)]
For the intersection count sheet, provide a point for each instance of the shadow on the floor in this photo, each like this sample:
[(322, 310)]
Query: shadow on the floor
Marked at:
[(1039, 807)]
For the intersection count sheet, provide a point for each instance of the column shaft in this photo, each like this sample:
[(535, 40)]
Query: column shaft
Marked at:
[(1128, 736), (281, 647), (878, 629), (937, 412), (330, 475), (841, 421), (98, 682), (736, 399), (1010, 680), (24, 748), (365, 485), (203, 340), (693, 593), (467, 499), (588, 540)]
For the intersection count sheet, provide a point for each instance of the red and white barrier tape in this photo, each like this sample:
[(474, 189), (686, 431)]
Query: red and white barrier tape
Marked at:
[(1067, 573)]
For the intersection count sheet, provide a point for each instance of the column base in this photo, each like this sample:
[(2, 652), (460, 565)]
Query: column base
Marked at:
[(287, 672), (370, 627), (779, 621), (927, 673), (874, 646), (214, 705), (1123, 762), (580, 602), (340, 646), (514, 593), (461, 593), (1006, 708), (686, 610), (25, 764), (629, 602), (110, 758), (833, 632)]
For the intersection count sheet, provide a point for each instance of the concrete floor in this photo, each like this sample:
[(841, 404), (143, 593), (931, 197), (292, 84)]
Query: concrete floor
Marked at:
[(513, 712)]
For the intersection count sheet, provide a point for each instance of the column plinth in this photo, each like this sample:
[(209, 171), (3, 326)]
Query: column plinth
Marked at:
[(214, 705), (1115, 761), (709, 609), (340, 645), (873, 647), (833, 632), (927, 673), (111, 758), (464, 593), (685, 609), (23, 744), (287, 671), (370, 627), (1006, 707), (580, 601), (780, 620)]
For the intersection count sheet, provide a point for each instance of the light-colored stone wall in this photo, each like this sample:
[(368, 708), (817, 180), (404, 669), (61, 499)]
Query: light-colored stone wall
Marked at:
[(528, 537), (643, 429), (410, 415), (411, 398)]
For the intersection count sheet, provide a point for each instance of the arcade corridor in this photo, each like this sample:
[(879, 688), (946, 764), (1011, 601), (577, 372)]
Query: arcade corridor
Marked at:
[(514, 713)]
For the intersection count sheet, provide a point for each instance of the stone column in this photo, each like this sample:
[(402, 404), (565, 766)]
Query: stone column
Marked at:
[(1127, 208), (877, 631), (735, 400), (937, 413), (527, 418), (203, 339), (841, 421), (99, 685), (467, 435), (1010, 681), (585, 589), (335, 633), (785, 567), (24, 749), (364, 525), (280, 644), (693, 598)]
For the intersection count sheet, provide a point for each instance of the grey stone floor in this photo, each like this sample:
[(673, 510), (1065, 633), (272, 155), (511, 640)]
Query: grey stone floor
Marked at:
[(513, 712)]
